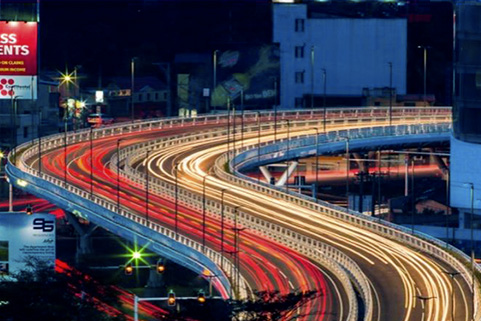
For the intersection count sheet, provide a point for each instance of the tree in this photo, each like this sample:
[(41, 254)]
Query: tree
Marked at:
[(40, 293)]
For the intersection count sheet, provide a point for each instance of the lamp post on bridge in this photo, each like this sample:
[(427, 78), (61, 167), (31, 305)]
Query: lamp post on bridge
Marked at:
[(91, 165), (118, 173), (287, 156), (222, 228), (203, 211), (317, 161), (146, 168), (176, 168), (452, 275)]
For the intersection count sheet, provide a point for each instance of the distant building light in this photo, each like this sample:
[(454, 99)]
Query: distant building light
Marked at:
[(21, 182), (99, 96), (283, 1)]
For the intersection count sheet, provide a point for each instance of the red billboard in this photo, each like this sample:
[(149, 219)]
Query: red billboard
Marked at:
[(18, 48)]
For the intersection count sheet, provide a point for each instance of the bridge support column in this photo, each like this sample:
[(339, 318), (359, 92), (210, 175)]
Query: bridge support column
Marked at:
[(287, 173), (155, 280), (84, 243), (265, 171)]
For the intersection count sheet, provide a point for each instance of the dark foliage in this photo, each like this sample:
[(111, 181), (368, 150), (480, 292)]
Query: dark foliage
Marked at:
[(40, 293)]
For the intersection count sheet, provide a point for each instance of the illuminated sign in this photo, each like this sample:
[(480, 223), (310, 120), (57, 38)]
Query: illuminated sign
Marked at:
[(99, 96), (23, 236), (18, 87), (18, 48)]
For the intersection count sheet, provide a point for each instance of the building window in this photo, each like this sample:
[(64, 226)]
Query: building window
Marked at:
[(165, 96), (299, 77), (148, 97), (299, 53), (156, 96), (299, 25), (139, 97), (25, 132)]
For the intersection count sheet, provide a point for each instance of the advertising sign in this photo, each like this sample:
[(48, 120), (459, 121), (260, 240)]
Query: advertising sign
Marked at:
[(18, 87), (23, 236), (18, 48), (251, 71)]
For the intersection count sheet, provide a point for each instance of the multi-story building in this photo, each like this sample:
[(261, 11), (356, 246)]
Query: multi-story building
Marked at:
[(334, 56)]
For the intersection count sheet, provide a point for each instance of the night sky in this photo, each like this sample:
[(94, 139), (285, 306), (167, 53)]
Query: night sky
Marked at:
[(103, 36)]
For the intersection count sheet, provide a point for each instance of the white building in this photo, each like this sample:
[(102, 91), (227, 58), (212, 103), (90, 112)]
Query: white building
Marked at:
[(349, 54)]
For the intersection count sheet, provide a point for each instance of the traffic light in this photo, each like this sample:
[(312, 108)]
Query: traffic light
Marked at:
[(128, 269), (29, 210), (160, 267), (201, 297), (171, 299)]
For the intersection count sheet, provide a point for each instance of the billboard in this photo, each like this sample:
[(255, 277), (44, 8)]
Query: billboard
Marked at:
[(23, 236), (18, 48), (18, 87), (253, 70)]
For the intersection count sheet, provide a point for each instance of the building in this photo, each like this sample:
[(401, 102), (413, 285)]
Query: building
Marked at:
[(466, 139), (334, 55)]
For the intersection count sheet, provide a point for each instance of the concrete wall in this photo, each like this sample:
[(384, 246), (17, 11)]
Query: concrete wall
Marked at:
[(354, 52)]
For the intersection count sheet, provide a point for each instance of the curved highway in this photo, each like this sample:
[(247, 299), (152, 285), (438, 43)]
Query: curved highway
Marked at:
[(405, 284)]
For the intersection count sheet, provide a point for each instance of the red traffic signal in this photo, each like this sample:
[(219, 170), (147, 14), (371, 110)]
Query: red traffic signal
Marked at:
[(128, 269), (29, 210), (171, 299)]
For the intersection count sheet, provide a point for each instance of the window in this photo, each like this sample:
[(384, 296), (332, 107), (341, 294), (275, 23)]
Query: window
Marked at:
[(299, 77), (299, 52), (25, 132), (299, 25), (148, 97), (156, 96)]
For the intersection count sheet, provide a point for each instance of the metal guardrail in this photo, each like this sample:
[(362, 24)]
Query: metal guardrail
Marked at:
[(418, 240), (346, 116)]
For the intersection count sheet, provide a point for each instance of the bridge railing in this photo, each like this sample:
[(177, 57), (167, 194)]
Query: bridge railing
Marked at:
[(341, 116), (418, 240)]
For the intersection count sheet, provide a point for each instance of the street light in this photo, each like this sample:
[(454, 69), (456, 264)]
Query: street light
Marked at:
[(348, 165), (176, 165), (471, 185), (275, 110), (228, 129), (287, 155), (118, 173), (132, 85), (237, 231), (312, 77), (222, 227), (317, 161), (91, 165), (203, 211), (146, 168), (214, 84), (425, 57), (425, 299), (258, 143), (390, 96), (324, 74), (452, 275)]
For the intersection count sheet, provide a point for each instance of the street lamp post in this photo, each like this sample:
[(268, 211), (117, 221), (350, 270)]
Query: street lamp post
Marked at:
[(132, 86), (146, 168), (203, 211), (425, 57), (91, 164), (348, 169), (275, 110), (118, 173), (222, 228), (390, 97), (242, 117), (65, 150), (176, 167), (214, 84), (258, 142), (228, 129), (425, 299), (317, 161), (452, 275), (324, 74), (287, 156), (312, 77), (472, 248)]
